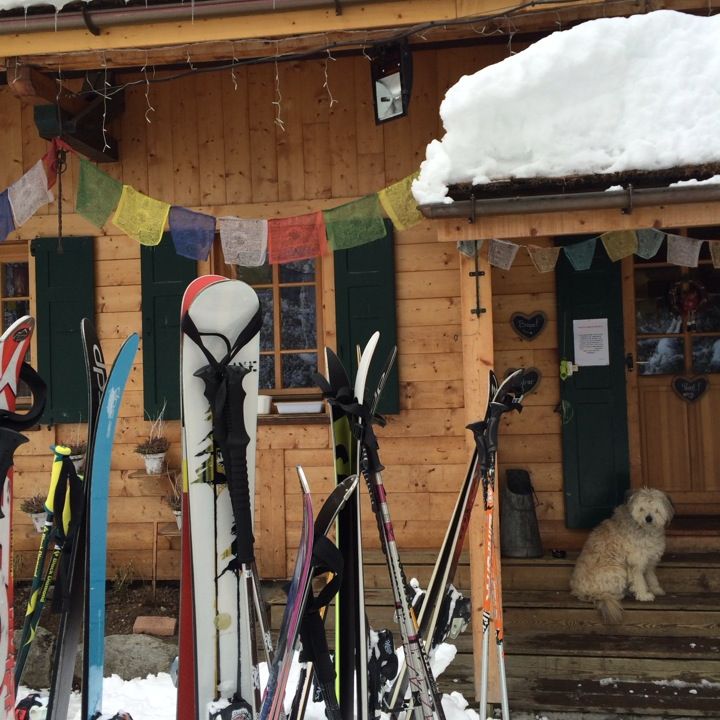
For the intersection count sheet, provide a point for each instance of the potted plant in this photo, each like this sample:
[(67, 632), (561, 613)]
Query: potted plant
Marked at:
[(78, 451), (175, 502), (154, 447), (35, 507)]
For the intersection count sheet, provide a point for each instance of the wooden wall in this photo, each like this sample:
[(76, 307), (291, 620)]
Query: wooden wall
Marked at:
[(212, 147)]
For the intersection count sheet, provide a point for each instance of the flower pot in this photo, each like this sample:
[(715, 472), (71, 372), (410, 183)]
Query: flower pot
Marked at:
[(178, 518), (39, 521), (155, 463), (79, 462)]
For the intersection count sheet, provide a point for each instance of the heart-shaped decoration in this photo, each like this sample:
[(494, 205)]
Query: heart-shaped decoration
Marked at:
[(530, 379), (690, 389), (528, 327)]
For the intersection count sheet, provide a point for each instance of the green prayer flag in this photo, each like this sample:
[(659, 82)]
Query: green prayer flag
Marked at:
[(355, 223), (97, 194)]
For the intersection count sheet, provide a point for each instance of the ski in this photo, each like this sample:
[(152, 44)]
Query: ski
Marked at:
[(440, 597), (69, 592), (96, 520), (220, 355), (187, 695), (14, 344)]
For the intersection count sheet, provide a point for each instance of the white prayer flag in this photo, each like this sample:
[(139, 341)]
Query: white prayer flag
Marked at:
[(244, 242), (501, 253), (28, 194), (683, 251)]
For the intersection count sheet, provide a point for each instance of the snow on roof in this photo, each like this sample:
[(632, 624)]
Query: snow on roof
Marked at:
[(14, 4), (609, 95)]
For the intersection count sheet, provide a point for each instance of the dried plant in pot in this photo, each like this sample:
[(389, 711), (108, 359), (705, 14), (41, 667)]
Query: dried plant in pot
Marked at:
[(154, 447), (78, 452), (35, 507), (174, 500)]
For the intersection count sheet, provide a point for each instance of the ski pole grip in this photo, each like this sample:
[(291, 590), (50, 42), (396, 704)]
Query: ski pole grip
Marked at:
[(60, 451), (9, 442)]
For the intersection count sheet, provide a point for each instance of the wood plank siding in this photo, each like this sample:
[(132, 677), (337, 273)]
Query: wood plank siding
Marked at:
[(215, 148)]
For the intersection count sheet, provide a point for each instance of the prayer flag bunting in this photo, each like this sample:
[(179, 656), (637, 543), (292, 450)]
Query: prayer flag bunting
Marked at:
[(192, 232), (399, 203), (28, 194), (296, 238), (543, 258), (649, 242), (244, 242), (141, 217), (355, 223), (619, 244), (469, 248), (501, 253), (97, 194), (683, 251), (7, 225), (50, 160), (715, 252), (581, 254)]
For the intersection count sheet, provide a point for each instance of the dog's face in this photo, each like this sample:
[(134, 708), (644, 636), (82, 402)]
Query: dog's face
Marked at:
[(650, 508)]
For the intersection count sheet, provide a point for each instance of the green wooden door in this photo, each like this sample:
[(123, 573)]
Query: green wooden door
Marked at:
[(593, 401), (165, 275), (364, 303)]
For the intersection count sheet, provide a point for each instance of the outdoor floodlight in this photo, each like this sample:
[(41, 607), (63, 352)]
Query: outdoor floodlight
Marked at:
[(391, 73)]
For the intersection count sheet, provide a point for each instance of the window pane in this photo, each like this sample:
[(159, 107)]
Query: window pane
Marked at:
[(298, 369), (266, 331), (298, 318), (707, 315), (14, 309), (661, 356), (653, 310), (267, 372), (298, 271), (706, 354), (15, 280), (255, 276)]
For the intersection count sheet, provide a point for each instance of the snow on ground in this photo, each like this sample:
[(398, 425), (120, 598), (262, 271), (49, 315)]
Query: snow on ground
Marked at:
[(609, 95), (154, 697)]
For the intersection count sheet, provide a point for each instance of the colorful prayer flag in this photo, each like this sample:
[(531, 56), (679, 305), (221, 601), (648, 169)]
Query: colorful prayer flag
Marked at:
[(683, 251), (619, 243), (355, 223), (97, 194), (399, 204), (649, 242), (501, 253), (50, 159), (469, 248), (581, 254), (244, 242), (192, 232), (28, 194), (7, 225), (141, 217), (715, 253), (543, 258), (296, 238)]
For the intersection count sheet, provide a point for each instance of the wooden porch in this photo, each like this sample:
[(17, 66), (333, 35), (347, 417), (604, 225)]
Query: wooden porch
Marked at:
[(663, 660)]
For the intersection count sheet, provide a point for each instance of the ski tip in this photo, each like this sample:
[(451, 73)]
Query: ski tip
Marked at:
[(303, 480)]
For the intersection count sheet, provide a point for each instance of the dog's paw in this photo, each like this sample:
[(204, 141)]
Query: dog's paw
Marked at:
[(644, 596), (658, 591)]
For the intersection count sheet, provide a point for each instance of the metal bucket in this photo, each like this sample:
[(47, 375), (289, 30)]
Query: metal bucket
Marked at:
[(519, 532)]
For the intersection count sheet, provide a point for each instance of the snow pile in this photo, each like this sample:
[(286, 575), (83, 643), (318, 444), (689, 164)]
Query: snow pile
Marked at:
[(14, 4), (610, 95)]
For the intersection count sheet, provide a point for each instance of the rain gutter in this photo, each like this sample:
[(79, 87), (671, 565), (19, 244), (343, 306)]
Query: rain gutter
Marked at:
[(100, 19), (624, 200)]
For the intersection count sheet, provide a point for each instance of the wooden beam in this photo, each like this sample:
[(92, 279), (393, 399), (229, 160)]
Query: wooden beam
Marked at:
[(35, 88), (529, 226)]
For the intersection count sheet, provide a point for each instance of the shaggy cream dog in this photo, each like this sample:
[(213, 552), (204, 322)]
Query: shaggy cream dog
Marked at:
[(621, 554)]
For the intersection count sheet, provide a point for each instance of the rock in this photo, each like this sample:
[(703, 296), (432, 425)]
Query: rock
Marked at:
[(36, 674)]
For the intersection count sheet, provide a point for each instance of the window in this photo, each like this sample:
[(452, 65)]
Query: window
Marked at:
[(291, 329), (15, 298), (678, 313)]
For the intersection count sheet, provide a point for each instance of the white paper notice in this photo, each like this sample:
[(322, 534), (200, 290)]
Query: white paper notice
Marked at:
[(591, 342)]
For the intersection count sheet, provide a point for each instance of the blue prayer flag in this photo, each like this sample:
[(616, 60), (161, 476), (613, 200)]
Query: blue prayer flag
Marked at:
[(192, 232)]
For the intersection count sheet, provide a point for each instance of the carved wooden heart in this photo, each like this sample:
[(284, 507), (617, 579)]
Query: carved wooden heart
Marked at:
[(528, 327), (690, 389)]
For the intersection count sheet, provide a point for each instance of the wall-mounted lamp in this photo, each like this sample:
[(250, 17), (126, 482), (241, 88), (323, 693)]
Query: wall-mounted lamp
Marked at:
[(391, 73)]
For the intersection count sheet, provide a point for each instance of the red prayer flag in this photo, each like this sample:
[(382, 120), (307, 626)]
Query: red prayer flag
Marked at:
[(296, 238), (50, 159)]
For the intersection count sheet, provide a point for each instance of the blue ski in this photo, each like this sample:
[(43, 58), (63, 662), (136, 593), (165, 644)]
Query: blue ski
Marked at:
[(94, 637)]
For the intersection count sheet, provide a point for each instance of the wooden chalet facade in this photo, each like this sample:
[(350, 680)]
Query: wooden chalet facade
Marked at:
[(209, 141)]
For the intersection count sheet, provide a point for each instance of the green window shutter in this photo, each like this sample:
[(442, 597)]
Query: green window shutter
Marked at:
[(65, 294), (165, 275), (364, 303)]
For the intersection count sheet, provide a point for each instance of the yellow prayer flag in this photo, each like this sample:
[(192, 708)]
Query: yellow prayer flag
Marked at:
[(620, 243), (543, 258), (141, 217), (399, 204), (715, 253)]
